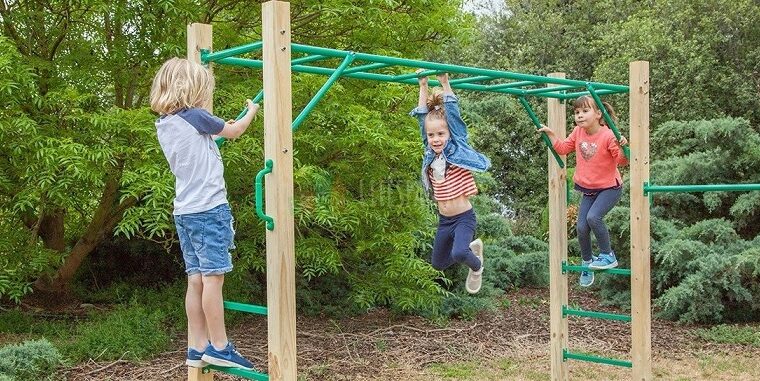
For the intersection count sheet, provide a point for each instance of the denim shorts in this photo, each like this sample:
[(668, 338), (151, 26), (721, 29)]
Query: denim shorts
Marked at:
[(206, 239)]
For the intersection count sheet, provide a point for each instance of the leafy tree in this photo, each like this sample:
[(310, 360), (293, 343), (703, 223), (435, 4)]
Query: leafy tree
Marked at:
[(701, 60), (88, 166)]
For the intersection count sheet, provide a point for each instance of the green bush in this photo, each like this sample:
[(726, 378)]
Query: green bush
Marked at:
[(30, 360)]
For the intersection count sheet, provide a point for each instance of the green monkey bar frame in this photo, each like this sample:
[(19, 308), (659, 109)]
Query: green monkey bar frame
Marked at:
[(280, 62), (467, 78), (521, 85)]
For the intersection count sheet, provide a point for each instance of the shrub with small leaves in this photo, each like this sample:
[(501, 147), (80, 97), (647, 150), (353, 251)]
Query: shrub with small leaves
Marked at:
[(30, 360)]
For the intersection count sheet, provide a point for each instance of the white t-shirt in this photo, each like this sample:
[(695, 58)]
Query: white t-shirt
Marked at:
[(194, 159)]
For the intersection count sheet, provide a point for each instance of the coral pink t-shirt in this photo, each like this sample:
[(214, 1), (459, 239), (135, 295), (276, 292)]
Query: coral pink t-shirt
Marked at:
[(598, 157)]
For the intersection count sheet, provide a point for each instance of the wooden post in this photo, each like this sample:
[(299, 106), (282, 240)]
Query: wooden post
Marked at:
[(278, 146), (557, 241), (641, 314), (198, 37)]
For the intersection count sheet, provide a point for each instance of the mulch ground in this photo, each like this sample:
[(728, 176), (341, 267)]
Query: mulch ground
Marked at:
[(379, 346)]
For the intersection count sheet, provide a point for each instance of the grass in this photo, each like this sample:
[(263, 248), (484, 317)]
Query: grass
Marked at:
[(730, 334), (535, 367)]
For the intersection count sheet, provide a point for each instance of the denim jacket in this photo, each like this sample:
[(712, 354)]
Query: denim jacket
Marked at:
[(457, 150)]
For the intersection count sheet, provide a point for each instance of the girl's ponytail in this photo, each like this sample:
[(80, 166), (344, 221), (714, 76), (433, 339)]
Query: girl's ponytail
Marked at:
[(435, 106)]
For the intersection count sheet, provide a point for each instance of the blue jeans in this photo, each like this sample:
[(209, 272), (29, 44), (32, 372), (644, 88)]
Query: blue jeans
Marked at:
[(594, 206), (452, 241), (205, 239)]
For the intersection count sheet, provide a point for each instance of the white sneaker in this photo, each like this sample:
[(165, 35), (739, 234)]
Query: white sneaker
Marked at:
[(475, 278)]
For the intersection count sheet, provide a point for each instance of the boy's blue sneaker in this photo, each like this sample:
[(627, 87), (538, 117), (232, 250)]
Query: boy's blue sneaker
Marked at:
[(228, 357), (194, 358), (587, 277), (604, 261)]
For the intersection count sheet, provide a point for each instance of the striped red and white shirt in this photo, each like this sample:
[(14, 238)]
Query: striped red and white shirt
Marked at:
[(457, 182)]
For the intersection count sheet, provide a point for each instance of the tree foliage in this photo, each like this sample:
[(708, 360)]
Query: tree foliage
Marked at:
[(85, 164)]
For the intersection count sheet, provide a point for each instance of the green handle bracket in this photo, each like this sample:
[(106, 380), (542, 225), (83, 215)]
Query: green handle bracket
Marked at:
[(534, 118), (268, 164)]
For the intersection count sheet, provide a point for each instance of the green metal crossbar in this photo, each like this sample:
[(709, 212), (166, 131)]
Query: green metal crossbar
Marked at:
[(207, 56), (321, 93), (566, 268), (566, 311), (242, 307), (220, 140), (547, 141), (601, 360), (471, 79), (651, 188), (259, 199), (607, 117), (249, 374), (307, 59)]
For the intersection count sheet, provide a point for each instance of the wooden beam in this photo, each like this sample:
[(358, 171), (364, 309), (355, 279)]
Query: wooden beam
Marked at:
[(278, 146), (641, 313), (199, 36), (557, 241)]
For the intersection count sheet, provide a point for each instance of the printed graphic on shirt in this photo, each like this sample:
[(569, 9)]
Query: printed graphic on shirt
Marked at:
[(588, 150)]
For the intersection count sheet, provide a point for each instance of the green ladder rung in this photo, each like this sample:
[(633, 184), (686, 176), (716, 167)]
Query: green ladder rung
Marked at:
[(242, 307), (593, 314), (249, 374), (601, 360), (566, 268)]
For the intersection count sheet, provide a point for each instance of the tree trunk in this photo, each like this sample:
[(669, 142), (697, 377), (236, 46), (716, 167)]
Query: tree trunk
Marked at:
[(51, 230), (107, 215)]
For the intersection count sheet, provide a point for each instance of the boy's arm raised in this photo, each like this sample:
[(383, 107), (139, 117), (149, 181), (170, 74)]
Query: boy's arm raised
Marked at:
[(234, 129)]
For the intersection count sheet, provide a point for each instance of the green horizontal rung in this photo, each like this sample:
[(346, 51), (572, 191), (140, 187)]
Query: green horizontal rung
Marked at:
[(651, 188), (566, 268), (242, 307), (593, 314), (249, 374), (601, 360)]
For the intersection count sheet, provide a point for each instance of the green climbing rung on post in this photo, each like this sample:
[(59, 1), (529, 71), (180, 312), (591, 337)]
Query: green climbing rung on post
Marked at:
[(607, 118), (566, 268), (249, 374), (544, 137), (651, 188), (566, 311), (601, 360), (242, 307)]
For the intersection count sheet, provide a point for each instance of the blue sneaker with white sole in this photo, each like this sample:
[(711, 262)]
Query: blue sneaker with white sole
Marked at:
[(194, 357), (587, 276), (228, 357), (604, 261)]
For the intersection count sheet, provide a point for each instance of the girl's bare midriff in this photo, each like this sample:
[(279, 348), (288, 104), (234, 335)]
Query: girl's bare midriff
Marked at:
[(454, 206)]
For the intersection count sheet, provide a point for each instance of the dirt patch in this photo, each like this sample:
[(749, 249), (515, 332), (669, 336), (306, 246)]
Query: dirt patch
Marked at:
[(380, 346)]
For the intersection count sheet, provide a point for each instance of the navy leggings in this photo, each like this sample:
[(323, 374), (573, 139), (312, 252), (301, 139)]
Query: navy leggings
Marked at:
[(452, 241), (594, 206)]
